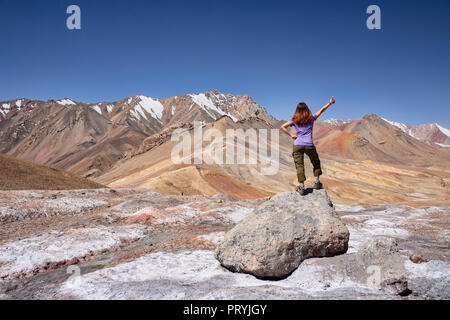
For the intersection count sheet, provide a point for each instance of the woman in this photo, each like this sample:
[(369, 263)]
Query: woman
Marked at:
[(303, 121)]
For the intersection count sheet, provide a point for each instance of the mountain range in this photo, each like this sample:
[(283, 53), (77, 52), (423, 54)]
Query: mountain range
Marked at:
[(431, 133), (88, 138), (127, 143)]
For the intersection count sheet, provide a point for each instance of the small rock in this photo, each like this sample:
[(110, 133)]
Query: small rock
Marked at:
[(396, 285), (417, 258), (72, 261)]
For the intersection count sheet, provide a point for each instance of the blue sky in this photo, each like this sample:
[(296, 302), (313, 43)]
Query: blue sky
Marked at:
[(278, 52)]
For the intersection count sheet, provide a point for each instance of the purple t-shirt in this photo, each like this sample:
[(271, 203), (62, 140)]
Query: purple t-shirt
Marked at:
[(304, 133)]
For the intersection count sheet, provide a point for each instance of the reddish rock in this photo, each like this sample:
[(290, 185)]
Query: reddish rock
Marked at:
[(417, 258)]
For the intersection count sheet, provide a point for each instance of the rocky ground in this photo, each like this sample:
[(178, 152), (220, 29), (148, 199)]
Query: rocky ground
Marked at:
[(138, 244)]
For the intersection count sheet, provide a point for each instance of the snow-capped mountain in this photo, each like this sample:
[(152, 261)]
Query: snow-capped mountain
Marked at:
[(9, 109), (430, 133), (66, 102), (210, 105), (10, 106), (85, 137), (90, 138)]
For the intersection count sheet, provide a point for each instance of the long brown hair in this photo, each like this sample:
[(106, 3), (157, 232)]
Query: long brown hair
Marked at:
[(302, 114)]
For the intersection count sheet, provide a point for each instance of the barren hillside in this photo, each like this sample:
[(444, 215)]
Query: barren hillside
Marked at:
[(350, 181), (24, 175), (127, 143)]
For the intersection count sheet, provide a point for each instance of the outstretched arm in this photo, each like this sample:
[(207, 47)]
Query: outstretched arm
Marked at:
[(325, 107), (284, 128)]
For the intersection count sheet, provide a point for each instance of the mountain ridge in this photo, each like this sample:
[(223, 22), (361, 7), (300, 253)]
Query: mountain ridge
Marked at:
[(432, 133), (76, 136), (127, 144)]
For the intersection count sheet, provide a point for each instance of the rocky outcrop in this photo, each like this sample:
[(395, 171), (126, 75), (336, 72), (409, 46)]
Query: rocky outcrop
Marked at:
[(282, 232), (159, 138)]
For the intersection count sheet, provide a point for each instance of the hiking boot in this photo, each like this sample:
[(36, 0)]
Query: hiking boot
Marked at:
[(317, 185), (300, 190)]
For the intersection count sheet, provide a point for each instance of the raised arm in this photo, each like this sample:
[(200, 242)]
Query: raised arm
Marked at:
[(325, 107), (284, 128)]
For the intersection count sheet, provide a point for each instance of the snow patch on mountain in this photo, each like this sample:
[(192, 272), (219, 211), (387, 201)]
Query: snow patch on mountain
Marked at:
[(6, 108), (109, 108), (411, 129), (442, 145), (444, 130), (135, 115), (221, 96), (153, 107), (205, 103), (97, 108), (65, 102), (404, 127)]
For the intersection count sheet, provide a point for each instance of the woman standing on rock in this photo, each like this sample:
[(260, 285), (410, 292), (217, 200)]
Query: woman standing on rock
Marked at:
[(303, 121)]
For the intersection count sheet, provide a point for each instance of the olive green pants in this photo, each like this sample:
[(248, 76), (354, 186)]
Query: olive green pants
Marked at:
[(298, 155)]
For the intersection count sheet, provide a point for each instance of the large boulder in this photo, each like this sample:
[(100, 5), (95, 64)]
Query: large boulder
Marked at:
[(272, 241)]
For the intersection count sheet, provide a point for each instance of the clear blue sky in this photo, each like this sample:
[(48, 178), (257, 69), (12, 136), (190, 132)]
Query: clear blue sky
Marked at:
[(278, 52)]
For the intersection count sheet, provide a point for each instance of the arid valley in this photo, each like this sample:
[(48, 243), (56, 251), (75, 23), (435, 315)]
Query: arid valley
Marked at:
[(92, 205)]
